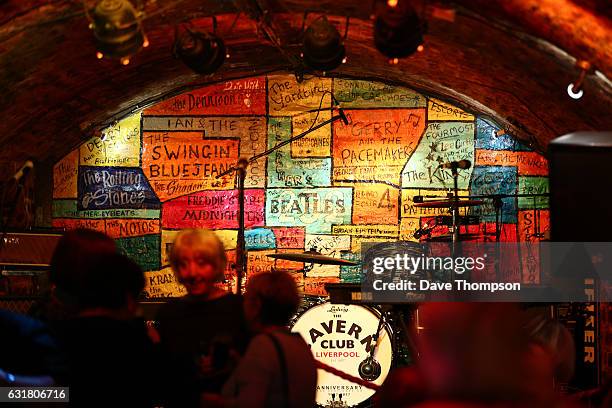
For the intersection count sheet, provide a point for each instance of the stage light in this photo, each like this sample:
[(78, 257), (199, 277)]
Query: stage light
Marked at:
[(323, 48), (574, 90), (203, 52), (117, 30), (398, 29)]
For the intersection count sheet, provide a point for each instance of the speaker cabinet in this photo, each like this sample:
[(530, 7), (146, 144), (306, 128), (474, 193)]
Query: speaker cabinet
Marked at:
[(581, 187)]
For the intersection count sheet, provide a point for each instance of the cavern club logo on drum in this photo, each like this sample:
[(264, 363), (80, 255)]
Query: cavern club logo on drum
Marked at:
[(342, 336), (338, 337)]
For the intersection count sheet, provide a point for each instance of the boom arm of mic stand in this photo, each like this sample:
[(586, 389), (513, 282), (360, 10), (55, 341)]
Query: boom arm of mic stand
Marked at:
[(240, 168), (283, 143)]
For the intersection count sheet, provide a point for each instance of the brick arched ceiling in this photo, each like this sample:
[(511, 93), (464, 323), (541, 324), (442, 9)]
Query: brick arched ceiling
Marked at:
[(510, 59)]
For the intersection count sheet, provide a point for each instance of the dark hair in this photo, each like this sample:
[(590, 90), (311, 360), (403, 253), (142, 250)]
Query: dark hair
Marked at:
[(278, 295), (109, 281), (72, 256)]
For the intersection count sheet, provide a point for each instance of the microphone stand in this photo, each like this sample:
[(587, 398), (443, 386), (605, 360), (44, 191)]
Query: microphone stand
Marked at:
[(240, 170), (4, 226), (455, 208)]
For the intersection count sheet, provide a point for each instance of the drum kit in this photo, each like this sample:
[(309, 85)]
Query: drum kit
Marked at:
[(357, 339), (364, 340), (354, 342)]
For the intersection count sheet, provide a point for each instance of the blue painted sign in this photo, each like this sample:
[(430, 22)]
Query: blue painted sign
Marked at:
[(114, 187)]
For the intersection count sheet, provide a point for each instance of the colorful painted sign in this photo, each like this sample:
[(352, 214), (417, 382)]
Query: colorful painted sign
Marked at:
[(251, 130), (488, 180), (287, 171), (235, 97), (154, 173), (353, 93), (315, 209), (438, 110), (65, 174), (68, 209), (117, 146), (259, 238), (289, 237), (213, 209), (376, 144), (181, 163), (316, 143), (375, 204), (532, 185), (114, 187), (145, 250), (159, 284), (328, 245), (487, 137), (528, 163), (442, 143), (287, 97)]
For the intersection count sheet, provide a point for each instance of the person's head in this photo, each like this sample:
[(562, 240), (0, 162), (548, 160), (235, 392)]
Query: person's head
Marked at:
[(72, 256), (112, 282), (271, 299), (557, 341), (198, 260)]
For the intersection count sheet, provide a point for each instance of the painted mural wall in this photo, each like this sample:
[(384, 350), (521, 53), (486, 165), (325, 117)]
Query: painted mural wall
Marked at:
[(155, 172)]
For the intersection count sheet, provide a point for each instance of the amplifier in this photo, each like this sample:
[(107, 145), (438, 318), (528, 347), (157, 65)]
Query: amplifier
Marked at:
[(28, 249), (347, 293)]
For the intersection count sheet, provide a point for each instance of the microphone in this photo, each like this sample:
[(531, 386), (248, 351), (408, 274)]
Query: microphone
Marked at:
[(461, 164), (340, 110), (21, 174), (343, 116), (424, 230), (242, 163)]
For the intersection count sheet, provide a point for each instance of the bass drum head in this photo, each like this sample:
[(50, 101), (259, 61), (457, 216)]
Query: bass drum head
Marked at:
[(341, 336)]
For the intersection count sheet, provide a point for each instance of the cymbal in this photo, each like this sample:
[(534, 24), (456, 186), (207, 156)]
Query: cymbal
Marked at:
[(312, 257), (448, 203)]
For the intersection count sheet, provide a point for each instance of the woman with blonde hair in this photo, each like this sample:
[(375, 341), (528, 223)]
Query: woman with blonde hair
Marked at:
[(204, 331)]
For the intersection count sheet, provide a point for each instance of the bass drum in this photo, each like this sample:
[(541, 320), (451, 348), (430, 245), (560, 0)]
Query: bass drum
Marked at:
[(341, 336)]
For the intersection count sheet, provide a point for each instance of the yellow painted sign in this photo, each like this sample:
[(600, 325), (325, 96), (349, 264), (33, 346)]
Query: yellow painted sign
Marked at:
[(287, 97), (379, 230), (357, 241), (316, 143), (119, 145), (438, 110), (162, 284)]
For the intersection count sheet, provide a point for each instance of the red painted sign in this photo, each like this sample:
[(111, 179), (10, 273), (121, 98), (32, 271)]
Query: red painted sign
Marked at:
[(213, 209)]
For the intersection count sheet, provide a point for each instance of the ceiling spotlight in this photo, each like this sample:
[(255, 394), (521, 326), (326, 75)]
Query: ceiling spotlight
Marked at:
[(203, 52), (574, 90), (398, 29), (323, 47), (117, 30)]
